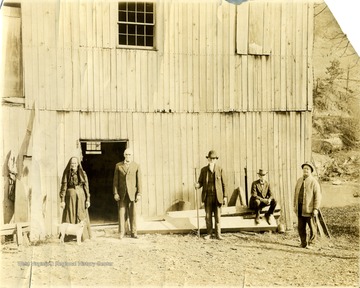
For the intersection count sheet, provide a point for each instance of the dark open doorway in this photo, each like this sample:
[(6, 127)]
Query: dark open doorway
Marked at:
[(99, 160)]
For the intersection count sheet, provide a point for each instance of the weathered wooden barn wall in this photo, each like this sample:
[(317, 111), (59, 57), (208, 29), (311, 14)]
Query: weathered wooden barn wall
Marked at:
[(169, 146), (236, 79), (210, 56)]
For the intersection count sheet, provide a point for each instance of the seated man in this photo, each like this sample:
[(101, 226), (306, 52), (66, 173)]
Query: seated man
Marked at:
[(261, 196)]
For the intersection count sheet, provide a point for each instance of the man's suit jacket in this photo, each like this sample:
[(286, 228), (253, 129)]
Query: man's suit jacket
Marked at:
[(220, 186), (127, 181), (259, 191)]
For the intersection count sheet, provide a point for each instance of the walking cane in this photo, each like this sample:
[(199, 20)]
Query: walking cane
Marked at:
[(197, 208)]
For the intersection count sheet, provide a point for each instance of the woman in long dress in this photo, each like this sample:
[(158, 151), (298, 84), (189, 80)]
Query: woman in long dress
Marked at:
[(75, 196)]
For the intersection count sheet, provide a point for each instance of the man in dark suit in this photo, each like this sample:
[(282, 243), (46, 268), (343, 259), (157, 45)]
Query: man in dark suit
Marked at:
[(261, 196), (127, 192), (212, 180)]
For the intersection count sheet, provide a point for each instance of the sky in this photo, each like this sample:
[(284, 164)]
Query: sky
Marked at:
[(347, 14)]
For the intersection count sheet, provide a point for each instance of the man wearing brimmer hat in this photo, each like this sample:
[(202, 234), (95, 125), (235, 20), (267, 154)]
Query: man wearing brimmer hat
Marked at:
[(262, 196), (212, 180), (307, 201)]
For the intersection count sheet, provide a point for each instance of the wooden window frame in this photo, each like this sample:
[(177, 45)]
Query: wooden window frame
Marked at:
[(136, 24)]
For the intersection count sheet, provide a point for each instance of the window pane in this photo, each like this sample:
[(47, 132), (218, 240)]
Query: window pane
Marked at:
[(122, 29), (122, 39), (140, 41), (149, 7), (131, 17), (131, 40), (140, 17), (131, 29), (131, 6), (149, 18), (122, 16), (122, 6), (149, 41), (140, 7), (140, 30), (149, 30)]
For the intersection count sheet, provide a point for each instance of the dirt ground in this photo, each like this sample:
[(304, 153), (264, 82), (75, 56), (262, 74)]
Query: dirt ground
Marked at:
[(153, 260)]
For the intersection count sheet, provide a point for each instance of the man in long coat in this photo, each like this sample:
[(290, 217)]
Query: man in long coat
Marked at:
[(127, 191), (212, 181), (307, 200)]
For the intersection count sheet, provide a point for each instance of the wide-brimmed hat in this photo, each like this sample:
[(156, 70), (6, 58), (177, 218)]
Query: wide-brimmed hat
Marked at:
[(261, 172), (212, 155), (307, 163)]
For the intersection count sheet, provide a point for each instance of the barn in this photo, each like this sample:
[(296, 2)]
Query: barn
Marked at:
[(170, 79)]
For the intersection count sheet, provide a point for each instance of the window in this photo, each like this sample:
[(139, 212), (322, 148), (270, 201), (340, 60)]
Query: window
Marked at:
[(12, 70), (93, 147), (136, 21)]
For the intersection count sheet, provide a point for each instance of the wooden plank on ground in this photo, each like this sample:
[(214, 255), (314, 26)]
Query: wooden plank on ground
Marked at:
[(225, 211), (186, 225)]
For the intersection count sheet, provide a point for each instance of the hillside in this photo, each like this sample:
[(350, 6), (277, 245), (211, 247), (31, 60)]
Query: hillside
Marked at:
[(336, 121)]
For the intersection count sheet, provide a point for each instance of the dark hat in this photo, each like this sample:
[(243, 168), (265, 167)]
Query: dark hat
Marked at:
[(212, 154), (262, 172), (307, 163)]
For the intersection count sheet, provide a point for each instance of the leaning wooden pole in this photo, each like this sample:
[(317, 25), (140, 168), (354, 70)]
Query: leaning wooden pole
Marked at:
[(197, 207), (246, 188)]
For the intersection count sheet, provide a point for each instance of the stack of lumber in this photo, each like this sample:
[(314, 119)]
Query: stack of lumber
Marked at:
[(233, 219)]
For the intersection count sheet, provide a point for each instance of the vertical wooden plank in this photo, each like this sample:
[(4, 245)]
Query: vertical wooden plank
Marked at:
[(189, 103), (226, 59), (157, 148), (113, 80), (276, 57), (42, 64), (183, 56), (196, 59), (106, 83), (166, 168), (52, 47), (270, 150), (183, 161), (202, 57), (137, 91), (219, 94), (256, 26), (283, 55), (299, 55), (242, 28), (144, 91), (276, 183), (303, 69), (144, 163), (151, 159), (96, 78), (244, 83), (174, 58), (106, 24), (68, 69), (289, 56), (189, 155), (251, 72), (113, 26), (26, 26), (98, 23), (75, 58), (34, 52), (232, 58), (310, 33), (268, 28), (196, 152), (172, 140), (131, 74), (152, 80)]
